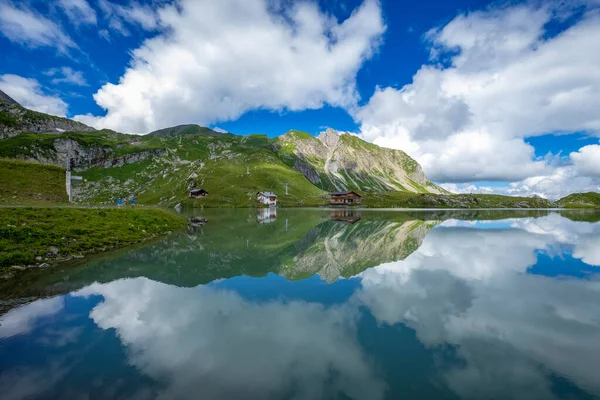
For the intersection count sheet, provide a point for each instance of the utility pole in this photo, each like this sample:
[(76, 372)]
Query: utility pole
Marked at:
[(68, 175), (286, 188)]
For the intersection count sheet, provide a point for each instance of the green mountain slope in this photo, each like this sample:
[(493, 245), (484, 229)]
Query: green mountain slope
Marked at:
[(580, 200), (340, 161), (15, 119), (184, 130)]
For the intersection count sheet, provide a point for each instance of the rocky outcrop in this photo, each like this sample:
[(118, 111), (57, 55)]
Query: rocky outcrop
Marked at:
[(4, 98), (83, 157), (15, 120), (341, 161)]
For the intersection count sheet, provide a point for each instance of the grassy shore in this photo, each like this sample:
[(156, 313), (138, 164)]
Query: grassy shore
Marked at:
[(33, 237)]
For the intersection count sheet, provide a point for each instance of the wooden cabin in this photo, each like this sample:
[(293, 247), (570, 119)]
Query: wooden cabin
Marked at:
[(268, 198), (198, 193), (344, 198)]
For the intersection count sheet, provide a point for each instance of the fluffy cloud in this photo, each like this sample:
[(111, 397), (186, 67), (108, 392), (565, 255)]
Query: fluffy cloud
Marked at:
[(587, 160), (244, 56), (498, 77), (29, 28), (29, 94), (67, 75), (78, 11), (467, 287), (218, 345)]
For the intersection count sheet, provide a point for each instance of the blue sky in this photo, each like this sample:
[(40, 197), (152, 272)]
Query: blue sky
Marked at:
[(491, 97)]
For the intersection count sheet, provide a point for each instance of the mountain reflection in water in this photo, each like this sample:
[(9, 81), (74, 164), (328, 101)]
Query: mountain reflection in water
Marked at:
[(318, 304)]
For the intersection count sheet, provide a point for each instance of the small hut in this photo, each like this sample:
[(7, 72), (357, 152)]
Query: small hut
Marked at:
[(267, 198), (197, 193), (344, 198)]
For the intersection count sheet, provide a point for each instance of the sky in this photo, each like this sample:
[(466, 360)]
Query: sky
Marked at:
[(489, 97)]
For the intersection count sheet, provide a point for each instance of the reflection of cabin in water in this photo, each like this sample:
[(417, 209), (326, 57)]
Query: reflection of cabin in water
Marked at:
[(344, 215), (344, 198), (198, 193), (266, 215), (268, 198)]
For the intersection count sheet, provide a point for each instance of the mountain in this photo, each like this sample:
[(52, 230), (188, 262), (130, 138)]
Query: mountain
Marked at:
[(580, 200), (15, 119), (336, 161), (160, 168), (185, 130)]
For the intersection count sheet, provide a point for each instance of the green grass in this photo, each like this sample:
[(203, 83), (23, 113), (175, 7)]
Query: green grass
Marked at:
[(580, 200), (28, 183), (31, 236)]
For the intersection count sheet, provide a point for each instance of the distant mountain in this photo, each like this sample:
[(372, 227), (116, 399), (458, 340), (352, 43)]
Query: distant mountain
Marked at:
[(580, 200), (161, 167), (15, 119), (340, 161), (185, 130)]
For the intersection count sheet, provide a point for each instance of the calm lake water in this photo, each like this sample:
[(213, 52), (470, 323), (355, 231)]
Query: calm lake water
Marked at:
[(312, 304)]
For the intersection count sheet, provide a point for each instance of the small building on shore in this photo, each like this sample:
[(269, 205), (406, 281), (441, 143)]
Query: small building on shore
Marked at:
[(197, 193), (344, 198), (267, 198)]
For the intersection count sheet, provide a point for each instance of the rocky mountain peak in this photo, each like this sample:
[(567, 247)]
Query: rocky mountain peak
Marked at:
[(4, 98), (330, 137)]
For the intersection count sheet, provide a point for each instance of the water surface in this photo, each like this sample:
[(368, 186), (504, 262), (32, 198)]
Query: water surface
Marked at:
[(312, 304)]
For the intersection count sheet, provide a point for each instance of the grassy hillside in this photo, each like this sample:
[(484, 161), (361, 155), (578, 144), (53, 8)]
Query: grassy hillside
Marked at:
[(580, 200), (30, 183), (231, 168), (34, 236)]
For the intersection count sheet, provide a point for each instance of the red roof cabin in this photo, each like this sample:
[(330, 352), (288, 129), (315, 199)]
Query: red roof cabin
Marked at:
[(344, 198)]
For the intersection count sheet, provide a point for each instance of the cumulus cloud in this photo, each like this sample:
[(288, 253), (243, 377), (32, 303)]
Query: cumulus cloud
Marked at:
[(78, 11), (244, 56), (218, 345), (29, 94), (467, 287), (67, 75), (29, 28), (587, 160), (497, 76)]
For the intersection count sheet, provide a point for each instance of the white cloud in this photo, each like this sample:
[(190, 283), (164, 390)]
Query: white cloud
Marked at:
[(133, 14), (67, 75), (78, 11), (29, 28), (468, 288), (587, 160), (218, 345), (217, 60), (495, 80), (29, 94), (22, 320)]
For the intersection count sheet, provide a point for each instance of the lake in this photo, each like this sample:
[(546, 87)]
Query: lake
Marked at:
[(318, 304)]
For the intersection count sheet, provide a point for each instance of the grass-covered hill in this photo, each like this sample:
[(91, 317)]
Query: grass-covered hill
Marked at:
[(29, 183), (580, 200), (160, 168), (15, 119)]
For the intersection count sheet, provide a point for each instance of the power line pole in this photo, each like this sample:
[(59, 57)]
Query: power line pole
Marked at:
[(286, 188), (68, 174)]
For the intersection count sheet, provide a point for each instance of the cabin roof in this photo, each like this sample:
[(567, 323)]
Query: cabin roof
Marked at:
[(267, 194), (344, 193), (198, 191)]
